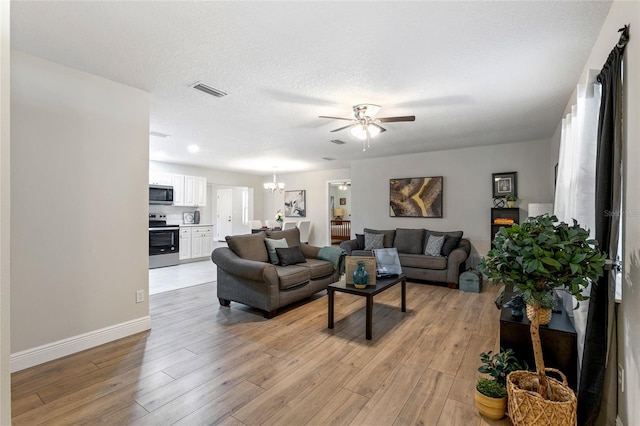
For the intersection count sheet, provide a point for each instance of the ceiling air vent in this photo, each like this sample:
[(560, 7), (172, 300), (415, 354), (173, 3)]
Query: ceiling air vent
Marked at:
[(158, 134), (328, 158), (209, 90), (338, 141)]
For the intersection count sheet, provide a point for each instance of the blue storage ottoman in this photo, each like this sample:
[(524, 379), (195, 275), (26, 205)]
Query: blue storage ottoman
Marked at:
[(471, 281)]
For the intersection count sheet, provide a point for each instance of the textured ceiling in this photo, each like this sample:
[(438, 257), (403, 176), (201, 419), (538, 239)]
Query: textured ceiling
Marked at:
[(473, 73)]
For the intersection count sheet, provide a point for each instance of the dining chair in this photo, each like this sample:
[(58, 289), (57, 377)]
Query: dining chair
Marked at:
[(289, 225), (305, 230), (255, 224)]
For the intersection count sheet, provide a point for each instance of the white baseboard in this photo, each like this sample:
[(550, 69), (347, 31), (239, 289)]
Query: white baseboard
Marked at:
[(49, 352)]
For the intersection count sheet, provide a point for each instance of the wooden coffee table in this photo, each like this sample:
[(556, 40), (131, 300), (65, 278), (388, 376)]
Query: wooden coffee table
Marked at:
[(381, 285)]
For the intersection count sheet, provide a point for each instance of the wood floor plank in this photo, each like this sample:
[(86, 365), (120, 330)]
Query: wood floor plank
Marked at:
[(340, 409), (222, 407), (206, 364), (427, 399)]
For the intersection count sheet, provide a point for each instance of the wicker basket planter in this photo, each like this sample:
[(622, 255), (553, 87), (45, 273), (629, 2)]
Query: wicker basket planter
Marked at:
[(545, 314), (527, 407)]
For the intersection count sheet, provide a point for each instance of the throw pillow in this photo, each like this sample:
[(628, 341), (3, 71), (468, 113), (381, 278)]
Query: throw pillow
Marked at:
[(373, 241), (271, 248), (450, 244), (249, 246), (290, 255), (434, 245), (409, 241), (389, 235), (359, 241)]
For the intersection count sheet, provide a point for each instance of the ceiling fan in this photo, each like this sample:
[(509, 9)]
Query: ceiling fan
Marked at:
[(366, 125)]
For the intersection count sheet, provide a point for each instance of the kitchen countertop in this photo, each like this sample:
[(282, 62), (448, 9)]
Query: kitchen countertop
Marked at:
[(191, 224)]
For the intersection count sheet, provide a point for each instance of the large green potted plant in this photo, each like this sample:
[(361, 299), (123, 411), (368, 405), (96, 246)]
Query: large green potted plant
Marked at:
[(536, 257)]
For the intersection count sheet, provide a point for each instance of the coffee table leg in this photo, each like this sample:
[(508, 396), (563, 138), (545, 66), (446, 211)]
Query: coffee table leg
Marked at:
[(331, 295), (404, 295), (369, 318)]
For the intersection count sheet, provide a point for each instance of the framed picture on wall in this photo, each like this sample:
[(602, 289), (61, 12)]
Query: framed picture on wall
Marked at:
[(343, 201), (505, 184), (416, 197), (294, 203)]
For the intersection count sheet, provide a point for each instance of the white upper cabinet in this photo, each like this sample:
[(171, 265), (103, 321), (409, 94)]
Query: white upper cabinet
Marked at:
[(177, 181), (187, 190), (160, 179)]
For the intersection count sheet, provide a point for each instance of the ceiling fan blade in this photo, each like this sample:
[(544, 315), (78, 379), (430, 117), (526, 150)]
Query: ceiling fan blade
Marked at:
[(393, 119), (345, 127), (335, 118), (382, 129)]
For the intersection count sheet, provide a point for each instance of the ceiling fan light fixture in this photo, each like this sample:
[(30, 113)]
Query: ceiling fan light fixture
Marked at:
[(360, 131)]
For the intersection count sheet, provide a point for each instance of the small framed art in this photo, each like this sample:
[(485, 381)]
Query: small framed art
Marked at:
[(504, 184)]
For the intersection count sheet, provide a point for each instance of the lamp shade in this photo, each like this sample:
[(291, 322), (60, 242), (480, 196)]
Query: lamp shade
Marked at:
[(537, 209), (338, 212)]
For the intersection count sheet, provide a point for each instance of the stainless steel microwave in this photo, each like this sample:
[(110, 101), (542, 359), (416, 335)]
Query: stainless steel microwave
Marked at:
[(161, 194)]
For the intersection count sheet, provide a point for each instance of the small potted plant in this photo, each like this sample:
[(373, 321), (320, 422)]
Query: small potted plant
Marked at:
[(491, 393), (511, 200), (279, 218)]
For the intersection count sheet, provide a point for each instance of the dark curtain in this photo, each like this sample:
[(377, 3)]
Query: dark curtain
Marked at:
[(608, 203)]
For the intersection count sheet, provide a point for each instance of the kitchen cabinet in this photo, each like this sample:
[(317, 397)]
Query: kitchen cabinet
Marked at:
[(160, 179), (184, 249), (188, 191), (201, 241), (177, 181), (196, 241)]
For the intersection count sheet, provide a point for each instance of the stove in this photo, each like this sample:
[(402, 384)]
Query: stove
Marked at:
[(163, 242)]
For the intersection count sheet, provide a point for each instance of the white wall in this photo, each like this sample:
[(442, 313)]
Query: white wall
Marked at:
[(467, 184), (5, 225), (79, 204), (621, 13), (316, 185)]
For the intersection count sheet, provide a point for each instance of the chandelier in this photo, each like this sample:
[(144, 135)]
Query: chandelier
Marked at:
[(344, 186), (274, 186)]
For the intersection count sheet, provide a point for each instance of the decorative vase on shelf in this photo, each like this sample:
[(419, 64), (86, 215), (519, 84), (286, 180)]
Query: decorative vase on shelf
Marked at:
[(196, 216), (360, 276)]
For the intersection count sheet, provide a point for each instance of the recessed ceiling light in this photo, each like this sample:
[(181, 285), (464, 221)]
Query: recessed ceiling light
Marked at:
[(159, 135), (193, 148), (203, 87)]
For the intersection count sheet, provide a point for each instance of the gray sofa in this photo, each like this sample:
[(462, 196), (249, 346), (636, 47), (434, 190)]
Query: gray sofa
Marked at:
[(444, 267), (245, 274)]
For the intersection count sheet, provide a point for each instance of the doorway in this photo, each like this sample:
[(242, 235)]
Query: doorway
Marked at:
[(224, 213), (339, 211)]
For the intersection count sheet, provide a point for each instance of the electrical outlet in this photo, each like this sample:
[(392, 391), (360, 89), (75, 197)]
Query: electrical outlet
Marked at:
[(621, 377), (139, 296)]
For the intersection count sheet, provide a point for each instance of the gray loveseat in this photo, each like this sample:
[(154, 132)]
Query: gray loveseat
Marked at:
[(245, 274), (444, 265)]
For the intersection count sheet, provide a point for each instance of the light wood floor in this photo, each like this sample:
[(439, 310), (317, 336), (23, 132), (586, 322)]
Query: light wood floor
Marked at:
[(204, 364)]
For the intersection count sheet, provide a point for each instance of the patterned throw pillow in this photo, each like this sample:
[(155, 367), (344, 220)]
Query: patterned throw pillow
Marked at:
[(373, 241), (434, 245)]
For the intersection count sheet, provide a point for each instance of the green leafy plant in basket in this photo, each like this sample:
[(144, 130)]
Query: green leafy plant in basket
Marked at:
[(540, 255)]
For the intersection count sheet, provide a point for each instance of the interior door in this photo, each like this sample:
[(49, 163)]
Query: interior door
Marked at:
[(224, 208)]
